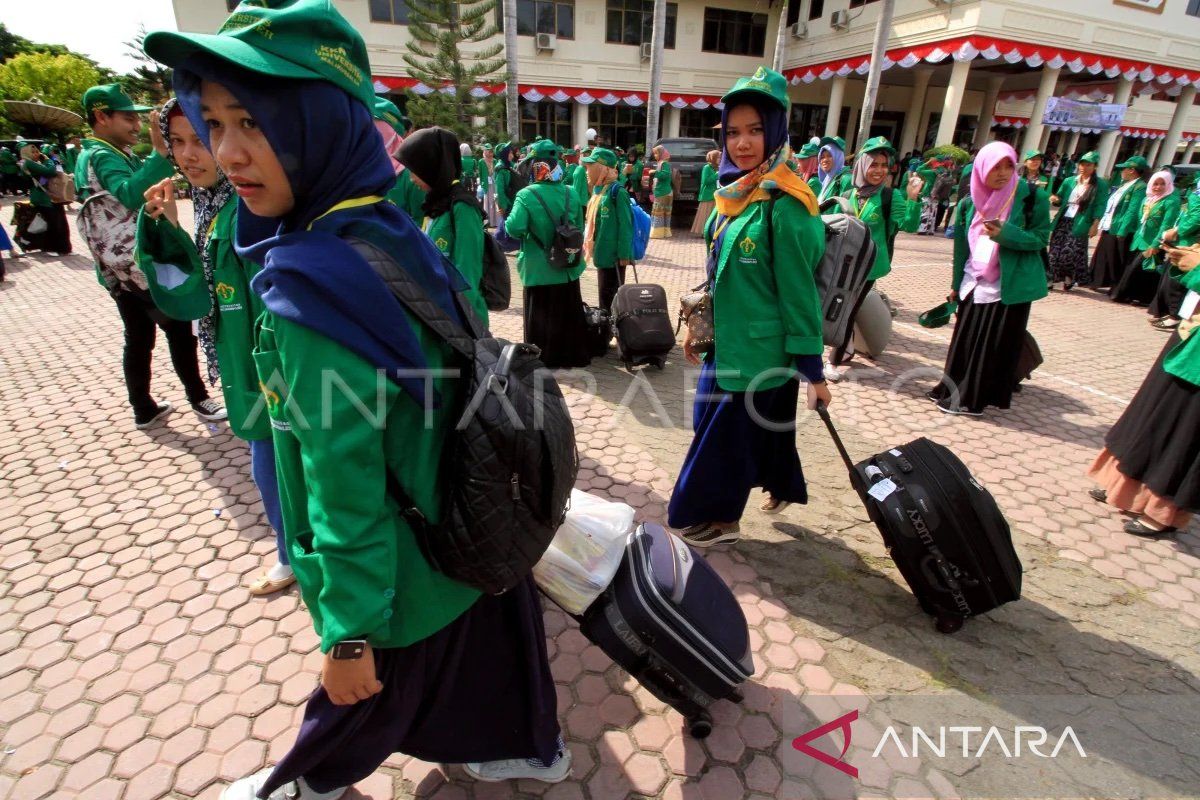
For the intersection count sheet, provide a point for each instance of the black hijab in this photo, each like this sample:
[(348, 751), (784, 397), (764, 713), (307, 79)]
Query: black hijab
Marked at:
[(432, 154)]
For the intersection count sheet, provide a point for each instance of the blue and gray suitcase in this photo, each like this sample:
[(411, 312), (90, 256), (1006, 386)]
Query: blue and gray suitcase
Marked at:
[(671, 622)]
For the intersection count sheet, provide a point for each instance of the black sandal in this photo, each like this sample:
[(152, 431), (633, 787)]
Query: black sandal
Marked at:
[(1099, 495), (1138, 528)]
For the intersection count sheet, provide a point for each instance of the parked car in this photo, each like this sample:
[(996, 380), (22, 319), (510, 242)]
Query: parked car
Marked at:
[(687, 160)]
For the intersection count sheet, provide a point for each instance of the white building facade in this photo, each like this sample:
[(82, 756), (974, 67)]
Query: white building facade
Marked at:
[(956, 71)]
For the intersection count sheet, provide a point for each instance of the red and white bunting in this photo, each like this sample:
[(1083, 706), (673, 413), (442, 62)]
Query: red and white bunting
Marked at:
[(968, 48), (560, 94), (1010, 122)]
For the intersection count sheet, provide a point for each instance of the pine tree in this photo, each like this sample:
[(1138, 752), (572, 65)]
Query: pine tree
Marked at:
[(436, 57), (150, 82)]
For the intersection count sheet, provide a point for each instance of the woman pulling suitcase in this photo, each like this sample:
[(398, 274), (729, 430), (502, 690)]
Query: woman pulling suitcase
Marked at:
[(767, 323)]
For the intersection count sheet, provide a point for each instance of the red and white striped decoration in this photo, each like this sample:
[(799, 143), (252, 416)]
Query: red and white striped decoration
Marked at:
[(969, 48), (561, 94)]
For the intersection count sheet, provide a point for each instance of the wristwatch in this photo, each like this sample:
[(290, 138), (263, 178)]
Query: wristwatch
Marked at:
[(349, 650)]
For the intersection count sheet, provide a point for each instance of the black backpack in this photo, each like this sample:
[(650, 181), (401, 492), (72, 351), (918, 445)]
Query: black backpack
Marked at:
[(566, 246), (496, 283), (510, 461), (516, 182)]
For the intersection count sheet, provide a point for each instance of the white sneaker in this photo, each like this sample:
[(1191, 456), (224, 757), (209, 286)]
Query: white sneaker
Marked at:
[(832, 373), (247, 789), (517, 768), (209, 410)]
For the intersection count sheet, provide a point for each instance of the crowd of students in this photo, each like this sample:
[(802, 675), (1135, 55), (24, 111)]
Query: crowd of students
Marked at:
[(281, 292)]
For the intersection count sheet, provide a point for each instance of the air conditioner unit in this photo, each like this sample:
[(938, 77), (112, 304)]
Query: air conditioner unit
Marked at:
[(840, 20), (799, 30), (647, 50), (545, 41)]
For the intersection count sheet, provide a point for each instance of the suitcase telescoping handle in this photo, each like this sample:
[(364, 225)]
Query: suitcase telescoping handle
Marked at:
[(823, 411)]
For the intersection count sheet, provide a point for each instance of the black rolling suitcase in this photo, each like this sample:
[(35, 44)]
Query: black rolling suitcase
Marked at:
[(671, 622), (644, 331), (943, 530)]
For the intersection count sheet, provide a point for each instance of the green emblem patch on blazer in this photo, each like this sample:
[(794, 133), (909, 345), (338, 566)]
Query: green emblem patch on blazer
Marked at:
[(747, 246)]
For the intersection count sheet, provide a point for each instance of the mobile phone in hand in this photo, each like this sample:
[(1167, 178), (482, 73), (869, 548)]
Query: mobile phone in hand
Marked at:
[(997, 222)]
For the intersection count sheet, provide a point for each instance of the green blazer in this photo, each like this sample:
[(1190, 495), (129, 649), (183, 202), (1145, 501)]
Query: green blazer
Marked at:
[(1161, 218), (1022, 274), (459, 235), (614, 227), (360, 570), (481, 172), (906, 216), (8, 162), (579, 183), (37, 170), (529, 222), (503, 175), (1128, 213), (635, 175), (1188, 225), (1084, 218), (708, 184), (842, 183), (409, 197), (662, 179), (1184, 359), (766, 310)]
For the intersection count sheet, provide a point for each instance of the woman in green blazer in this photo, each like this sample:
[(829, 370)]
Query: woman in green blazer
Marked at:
[(708, 186), (833, 174), (554, 319), (1150, 464), (1144, 269), (765, 240), (1002, 227), (608, 234), (1121, 218), (663, 189), (1081, 200), (56, 238), (456, 217)]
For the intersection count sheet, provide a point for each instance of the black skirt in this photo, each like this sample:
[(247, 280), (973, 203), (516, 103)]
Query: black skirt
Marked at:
[(1157, 440), (1109, 260), (1169, 297), (480, 689), (554, 321), (1137, 285), (57, 236), (983, 364)]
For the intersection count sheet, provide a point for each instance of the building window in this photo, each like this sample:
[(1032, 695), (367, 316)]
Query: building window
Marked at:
[(805, 122), (619, 126), (861, 3), (394, 12), (1193, 8), (541, 16), (544, 118), (816, 9), (632, 22), (735, 33), (697, 123), (793, 15)]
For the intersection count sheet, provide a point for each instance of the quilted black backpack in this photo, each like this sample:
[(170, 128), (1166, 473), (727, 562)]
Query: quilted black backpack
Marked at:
[(510, 462)]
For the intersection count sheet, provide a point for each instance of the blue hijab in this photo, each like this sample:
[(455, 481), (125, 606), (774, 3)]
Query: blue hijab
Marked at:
[(839, 162), (775, 131), (329, 148)]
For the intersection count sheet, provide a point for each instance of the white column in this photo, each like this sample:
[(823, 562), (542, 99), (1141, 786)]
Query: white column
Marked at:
[(1033, 134), (579, 124), (671, 128), (836, 95), (1183, 106), (1044, 142), (851, 128), (1072, 143), (987, 114), (916, 108), (953, 103), (1186, 158), (1109, 140), (1155, 149), (1144, 148)]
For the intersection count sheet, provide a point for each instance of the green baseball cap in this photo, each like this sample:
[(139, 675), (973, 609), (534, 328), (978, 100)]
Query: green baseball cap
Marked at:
[(809, 150), (1033, 154), (603, 156), (109, 97), (938, 316), (302, 39), (1091, 158), (765, 82), (1135, 162), (836, 141), (878, 143), (544, 148), (385, 110)]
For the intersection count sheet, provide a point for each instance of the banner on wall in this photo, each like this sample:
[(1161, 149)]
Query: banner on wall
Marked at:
[(1063, 112)]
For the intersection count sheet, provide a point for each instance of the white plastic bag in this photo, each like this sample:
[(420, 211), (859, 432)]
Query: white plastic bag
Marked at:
[(37, 225), (586, 551)]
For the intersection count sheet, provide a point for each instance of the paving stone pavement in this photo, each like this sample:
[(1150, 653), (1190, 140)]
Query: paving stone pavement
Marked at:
[(134, 665)]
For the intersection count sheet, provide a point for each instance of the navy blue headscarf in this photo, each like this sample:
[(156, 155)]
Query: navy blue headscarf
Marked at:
[(775, 131), (329, 148)]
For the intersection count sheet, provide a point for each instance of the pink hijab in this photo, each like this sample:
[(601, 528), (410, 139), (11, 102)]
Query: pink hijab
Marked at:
[(989, 203), (1168, 178), (391, 143)]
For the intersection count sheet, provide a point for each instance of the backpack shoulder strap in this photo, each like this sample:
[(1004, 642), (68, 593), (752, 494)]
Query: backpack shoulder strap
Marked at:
[(546, 208), (1030, 199), (414, 298)]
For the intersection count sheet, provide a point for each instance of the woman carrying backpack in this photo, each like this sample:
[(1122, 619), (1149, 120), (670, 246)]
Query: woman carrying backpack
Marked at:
[(998, 273), (415, 662), (664, 193), (455, 216), (1144, 271), (764, 243), (1085, 196), (608, 234), (554, 318), (226, 318), (502, 177)]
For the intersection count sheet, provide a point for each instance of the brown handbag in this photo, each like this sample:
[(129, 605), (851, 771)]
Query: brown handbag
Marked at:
[(61, 188), (696, 311)]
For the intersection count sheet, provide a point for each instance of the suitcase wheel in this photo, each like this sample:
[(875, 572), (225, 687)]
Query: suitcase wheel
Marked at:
[(658, 362), (700, 726), (948, 623)]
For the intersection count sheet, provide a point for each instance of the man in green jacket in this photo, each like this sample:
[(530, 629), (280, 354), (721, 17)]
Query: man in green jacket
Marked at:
[(111, 167)]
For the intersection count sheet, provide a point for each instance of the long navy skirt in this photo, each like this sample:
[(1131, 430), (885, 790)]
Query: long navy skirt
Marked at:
[(733, 452), (479, 689)]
